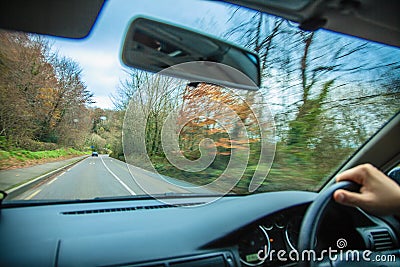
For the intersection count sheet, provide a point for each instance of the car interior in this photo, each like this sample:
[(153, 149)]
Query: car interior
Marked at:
[(198, 229)]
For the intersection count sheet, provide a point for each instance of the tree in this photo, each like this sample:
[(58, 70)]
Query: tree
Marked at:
[(323, 88), (63, 101), (128, 88), (24, 70), (45, 89), (211, 111)]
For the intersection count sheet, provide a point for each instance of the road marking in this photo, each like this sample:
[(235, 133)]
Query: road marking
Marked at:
[(49, 183), (119, 180), (75, 163), (61, 174), (34, 194)]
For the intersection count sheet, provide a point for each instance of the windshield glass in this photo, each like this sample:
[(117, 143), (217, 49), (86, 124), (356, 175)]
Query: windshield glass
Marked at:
[(78, 124)]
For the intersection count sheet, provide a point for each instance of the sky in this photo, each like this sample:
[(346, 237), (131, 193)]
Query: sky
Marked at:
[(99, 54)]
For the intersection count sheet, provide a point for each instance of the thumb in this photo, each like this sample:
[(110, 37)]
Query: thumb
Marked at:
[(348, 198)]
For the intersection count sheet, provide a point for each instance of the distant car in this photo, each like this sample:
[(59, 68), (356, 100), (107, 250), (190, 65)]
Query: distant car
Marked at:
[(95, 154)]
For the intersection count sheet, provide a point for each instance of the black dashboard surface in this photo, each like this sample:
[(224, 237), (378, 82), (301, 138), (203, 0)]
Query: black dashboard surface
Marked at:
[(128, 232), (192, 232)]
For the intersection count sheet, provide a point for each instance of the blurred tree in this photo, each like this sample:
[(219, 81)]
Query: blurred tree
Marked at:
[(211, 111), (328, 92)]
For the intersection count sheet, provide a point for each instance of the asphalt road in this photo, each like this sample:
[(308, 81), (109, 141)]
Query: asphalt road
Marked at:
[(104, 177)]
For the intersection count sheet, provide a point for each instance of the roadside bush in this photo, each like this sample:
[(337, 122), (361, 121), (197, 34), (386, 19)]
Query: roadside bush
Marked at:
[(33, 145), (4, 155)]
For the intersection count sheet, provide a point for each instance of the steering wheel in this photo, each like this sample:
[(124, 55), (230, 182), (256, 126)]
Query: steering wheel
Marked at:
[(314, 215)]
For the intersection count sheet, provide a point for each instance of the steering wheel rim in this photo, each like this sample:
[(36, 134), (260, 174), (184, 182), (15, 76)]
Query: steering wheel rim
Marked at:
[(314, 215)]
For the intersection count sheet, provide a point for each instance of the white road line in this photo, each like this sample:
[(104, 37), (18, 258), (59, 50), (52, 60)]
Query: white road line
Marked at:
[(49, 183), (119, 180), (61, 174), (34, 194)]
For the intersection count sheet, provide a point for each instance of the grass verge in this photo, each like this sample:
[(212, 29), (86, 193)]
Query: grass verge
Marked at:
[(24, 158)]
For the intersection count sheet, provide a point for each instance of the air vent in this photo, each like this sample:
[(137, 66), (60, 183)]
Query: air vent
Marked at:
[(126, 209), (381, 240), (218, 259)]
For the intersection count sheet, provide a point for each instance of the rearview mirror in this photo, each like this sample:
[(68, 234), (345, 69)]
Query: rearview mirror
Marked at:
[(155, 46)]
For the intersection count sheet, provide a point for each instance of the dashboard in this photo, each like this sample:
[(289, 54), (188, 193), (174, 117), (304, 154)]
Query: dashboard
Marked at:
[(272, 241), (275, 234), (232, 231)]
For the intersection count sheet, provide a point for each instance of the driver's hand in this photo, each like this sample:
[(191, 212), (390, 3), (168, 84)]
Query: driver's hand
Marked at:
[(379, 195)]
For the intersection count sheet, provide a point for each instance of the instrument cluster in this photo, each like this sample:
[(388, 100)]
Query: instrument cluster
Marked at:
[(273, 239)]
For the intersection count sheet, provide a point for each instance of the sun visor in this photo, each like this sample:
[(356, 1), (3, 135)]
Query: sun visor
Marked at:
[(64, 18)]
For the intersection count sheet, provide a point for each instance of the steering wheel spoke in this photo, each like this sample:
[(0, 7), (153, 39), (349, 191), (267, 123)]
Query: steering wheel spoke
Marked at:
[(313, 217)]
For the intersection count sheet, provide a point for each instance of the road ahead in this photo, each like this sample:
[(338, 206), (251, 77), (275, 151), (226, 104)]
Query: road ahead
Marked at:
[(104, 177)]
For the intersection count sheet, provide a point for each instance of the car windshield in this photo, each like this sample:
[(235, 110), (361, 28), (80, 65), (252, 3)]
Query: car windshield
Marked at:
[(76, 123)]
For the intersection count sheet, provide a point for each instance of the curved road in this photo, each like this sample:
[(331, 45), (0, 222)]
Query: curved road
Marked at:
[(105, 177)]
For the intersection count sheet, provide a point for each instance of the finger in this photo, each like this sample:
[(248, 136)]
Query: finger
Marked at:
[(357, 174), (348, 198)]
